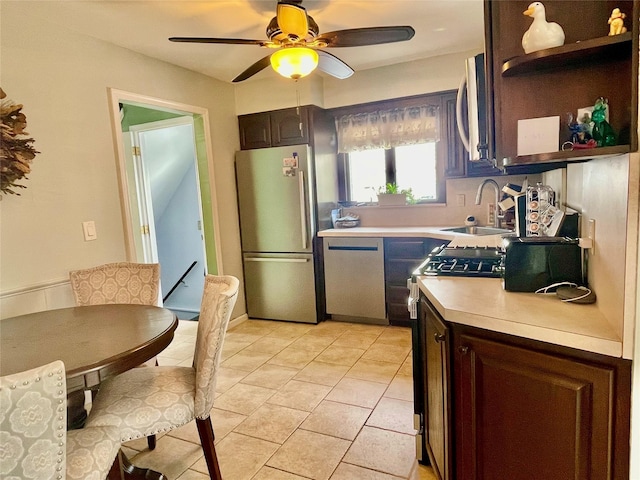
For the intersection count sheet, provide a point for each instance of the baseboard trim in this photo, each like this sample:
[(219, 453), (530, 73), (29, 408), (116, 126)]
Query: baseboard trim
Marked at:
[(237, 321)]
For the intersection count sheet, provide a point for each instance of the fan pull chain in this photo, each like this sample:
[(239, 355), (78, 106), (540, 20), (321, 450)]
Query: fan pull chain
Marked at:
[(298, 107)]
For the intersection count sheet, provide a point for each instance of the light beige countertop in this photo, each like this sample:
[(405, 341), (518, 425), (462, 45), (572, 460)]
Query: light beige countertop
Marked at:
[(431, 232), (483, 303)]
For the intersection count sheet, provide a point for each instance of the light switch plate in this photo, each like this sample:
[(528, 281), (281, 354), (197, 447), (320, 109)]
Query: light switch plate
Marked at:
[(89, 230), (538, 135)]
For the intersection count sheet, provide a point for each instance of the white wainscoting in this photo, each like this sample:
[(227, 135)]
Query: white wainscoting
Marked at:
[(36, 298)]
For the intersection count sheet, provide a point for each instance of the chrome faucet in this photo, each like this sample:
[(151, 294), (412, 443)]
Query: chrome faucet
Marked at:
[(496, 216)]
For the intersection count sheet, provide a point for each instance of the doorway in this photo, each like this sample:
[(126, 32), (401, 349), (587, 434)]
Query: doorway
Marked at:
[(169, 211)]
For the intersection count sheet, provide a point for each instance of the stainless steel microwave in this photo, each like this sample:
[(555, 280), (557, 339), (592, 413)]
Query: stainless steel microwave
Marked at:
[(532, 263), (471, 103)]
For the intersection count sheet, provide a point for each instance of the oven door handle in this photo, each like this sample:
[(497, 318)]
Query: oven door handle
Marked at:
[(414, 295)]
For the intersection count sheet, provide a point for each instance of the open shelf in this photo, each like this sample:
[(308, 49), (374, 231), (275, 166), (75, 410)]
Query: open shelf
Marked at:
[(567, 156), (596, 49)]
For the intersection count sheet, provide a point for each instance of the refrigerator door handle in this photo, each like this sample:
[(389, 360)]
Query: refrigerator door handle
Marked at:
[(271, 259), (303, 210)]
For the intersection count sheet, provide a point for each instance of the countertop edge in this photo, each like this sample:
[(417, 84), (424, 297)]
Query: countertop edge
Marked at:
[(609, 344)]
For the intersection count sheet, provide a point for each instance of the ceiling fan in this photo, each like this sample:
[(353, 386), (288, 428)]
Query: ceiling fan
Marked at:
[(300, 48)]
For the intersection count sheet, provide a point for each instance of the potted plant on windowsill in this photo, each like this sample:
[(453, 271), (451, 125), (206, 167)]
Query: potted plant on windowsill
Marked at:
[(391, 195)]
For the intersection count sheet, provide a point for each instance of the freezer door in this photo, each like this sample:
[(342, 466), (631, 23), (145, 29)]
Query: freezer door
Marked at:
[(280, 287), (275, 198)]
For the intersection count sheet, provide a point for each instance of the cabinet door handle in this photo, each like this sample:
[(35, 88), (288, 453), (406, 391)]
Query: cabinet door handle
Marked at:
[(439, 337), (463, 350)]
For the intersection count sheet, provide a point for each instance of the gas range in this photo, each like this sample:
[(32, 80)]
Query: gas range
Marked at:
[(463, 262)]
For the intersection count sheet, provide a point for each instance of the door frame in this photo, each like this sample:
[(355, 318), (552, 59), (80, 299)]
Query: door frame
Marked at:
[(116, 97)]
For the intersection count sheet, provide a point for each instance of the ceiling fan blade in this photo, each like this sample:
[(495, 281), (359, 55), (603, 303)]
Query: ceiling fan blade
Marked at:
[(333, 65), (233, 41), (358, 37), (253, 69), (292, 20)]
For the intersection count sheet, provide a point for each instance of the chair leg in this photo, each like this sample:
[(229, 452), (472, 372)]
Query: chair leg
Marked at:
[(205, 430), (151, 441)]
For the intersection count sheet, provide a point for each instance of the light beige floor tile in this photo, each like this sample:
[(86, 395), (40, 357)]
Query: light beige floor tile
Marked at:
[(407, 367), (422, 472), (268, 473), (247, 361), (244, 399), (227, 378), (340, 355), (255, 327), (337, 420), (352, 472), (240, 457), (293, 357), (396, 336), (178, 351), (272, 422), (300, 395), (193, 475), (401, 387), (224, 422), (290, 330), (310, 454), (386, 352), (366, 328), (232, 336), (329, 328), (354, 391), (270, 376), (141, 444), (382, 450), (322, 373), (186, 363), (393, 414), (373, 370), (188, 432), (171, 456), (230, 348), (313, 343), (187, 328), (355, 340), (270, 345)]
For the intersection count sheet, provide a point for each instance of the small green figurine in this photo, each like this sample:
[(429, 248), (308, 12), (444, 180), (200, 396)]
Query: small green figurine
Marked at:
[(602, 132)]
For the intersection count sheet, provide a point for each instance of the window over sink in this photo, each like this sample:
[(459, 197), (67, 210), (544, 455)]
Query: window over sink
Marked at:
[(409, 166), (420, 166)]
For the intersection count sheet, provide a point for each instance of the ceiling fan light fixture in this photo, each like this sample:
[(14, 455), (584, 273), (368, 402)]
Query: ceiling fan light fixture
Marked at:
[(294, 62)]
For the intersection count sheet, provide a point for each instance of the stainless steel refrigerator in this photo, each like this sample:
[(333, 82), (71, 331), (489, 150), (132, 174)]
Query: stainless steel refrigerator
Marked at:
[(285, 195)]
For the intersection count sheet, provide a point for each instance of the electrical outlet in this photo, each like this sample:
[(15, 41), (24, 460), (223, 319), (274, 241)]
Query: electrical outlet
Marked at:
[(491, 213), (592, 235)]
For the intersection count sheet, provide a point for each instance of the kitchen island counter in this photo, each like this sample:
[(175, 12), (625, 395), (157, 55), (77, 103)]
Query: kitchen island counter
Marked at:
[(483, 303)]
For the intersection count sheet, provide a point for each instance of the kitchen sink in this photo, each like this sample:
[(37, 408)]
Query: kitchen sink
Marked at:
[(474, 230)]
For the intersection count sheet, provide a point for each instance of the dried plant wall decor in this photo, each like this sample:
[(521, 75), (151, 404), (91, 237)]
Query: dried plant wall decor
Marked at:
[(16, 151)]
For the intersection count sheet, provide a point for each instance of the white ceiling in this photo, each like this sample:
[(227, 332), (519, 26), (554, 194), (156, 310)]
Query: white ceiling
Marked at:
[(442, 26)]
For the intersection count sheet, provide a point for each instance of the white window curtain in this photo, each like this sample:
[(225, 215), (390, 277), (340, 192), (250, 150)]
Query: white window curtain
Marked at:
[(388, 128)]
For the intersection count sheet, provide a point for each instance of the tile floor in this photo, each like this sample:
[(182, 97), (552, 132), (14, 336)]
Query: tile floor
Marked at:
[(295, 401)]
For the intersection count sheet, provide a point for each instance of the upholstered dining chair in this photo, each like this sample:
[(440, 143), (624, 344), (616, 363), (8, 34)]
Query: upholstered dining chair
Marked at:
[(122, 282), (148, 401), (34, 440)]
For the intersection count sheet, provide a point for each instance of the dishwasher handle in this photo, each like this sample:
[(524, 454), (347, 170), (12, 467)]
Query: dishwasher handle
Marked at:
[(353, 248)]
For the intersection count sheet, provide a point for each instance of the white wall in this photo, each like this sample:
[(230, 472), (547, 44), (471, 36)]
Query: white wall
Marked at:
[(62, 80), (405, 79)]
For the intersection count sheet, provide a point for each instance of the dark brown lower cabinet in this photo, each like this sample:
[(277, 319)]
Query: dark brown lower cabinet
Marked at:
[(518, 409)]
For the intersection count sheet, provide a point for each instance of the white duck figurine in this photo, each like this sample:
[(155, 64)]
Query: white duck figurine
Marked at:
[(541, 34)]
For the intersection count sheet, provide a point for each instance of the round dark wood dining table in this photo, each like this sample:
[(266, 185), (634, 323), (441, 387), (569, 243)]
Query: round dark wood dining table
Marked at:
[(94, 342)]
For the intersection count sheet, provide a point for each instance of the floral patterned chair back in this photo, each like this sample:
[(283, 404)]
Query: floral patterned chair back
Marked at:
[(218, 299), (34, 441), (123, 282), (33, 414)]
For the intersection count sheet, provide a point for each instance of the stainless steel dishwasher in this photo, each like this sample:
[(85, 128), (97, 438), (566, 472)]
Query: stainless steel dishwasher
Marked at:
[(354, 279)]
